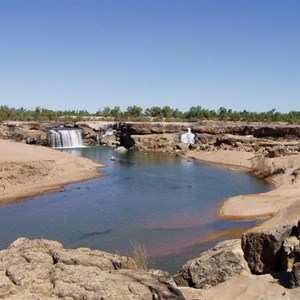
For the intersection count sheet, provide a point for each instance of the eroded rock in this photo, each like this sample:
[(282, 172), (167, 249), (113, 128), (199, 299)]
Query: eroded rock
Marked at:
[(295, 275), (263, 247), (289, 256), (42, 270), (214, 266)]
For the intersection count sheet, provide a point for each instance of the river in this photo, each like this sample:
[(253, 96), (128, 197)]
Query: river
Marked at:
[(162, 201)]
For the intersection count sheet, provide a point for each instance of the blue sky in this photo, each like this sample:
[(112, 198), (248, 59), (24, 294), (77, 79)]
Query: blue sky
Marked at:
[(240, 54)]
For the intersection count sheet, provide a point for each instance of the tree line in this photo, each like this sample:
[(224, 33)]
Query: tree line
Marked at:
[(155, 113)]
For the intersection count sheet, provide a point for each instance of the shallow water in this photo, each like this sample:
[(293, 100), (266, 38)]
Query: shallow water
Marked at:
[(163, 201)]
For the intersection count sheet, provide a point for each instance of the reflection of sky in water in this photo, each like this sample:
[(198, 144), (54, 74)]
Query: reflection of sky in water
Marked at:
[(163, 201)]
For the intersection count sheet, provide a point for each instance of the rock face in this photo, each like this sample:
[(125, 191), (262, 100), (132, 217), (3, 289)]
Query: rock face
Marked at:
[(273, 141), (28, 132), (214, 266), (263, 248), (155, 142), (42, 269)]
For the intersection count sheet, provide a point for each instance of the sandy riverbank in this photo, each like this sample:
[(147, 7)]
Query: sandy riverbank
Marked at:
[(30, 170), (27, 170), (279, 206), (282, 201)]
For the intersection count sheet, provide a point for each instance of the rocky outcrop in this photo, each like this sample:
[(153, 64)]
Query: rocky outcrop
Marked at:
[(214, 266), (272, 141), (155, 142), (27, 132), (263, 248), (42, 269)]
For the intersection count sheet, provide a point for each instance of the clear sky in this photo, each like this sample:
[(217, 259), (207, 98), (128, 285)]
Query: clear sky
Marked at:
[(71, 54)]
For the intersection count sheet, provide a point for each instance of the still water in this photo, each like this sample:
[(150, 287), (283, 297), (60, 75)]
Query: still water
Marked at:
[(163, 201)]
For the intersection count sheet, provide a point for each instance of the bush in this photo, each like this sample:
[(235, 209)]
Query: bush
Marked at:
[(260, 166), (262, 169)]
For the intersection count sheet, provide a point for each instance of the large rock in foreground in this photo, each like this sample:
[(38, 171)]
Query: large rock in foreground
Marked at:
[(263, 248), (214, 266), (42, 269)]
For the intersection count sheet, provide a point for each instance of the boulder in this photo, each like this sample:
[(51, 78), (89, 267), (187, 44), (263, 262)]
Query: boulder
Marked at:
[(295, 275), (276, 151), (289, 256), (109, 140), (162, 276), (121, 149), (42, 269), (263, 247), (214, 266)]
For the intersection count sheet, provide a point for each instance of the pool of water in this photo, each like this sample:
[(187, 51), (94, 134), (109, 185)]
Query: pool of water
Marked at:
[(162, 201)]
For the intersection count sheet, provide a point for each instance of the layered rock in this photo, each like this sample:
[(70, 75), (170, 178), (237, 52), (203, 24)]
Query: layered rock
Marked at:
[(214, 266), (272, 140), (263, 248), (28, 132), (155, 142), (42, 269)]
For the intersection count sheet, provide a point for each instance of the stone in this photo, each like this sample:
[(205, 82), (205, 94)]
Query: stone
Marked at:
[(121, 149), (295, 275), (214, 266), (182, 147), (109, 140), (27, 132), (162, 276), (85, 257), (288, 253), (191, 293), (263, 246), (155, 142), (43, 270), (276, 151)]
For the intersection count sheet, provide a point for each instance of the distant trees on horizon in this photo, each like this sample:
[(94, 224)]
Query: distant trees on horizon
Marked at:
[(154, 113)]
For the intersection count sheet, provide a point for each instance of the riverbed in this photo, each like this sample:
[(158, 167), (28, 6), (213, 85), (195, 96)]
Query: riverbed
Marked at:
[(163, 201)]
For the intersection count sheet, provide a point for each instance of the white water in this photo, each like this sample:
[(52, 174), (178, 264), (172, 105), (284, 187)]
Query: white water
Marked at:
[(65, 138), (188, 138)]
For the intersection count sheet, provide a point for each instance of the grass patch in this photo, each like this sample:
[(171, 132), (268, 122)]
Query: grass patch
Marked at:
[(140, 255)]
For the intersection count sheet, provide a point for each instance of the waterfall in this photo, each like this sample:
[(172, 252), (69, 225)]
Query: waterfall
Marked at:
[(65, 138), (188, 138)]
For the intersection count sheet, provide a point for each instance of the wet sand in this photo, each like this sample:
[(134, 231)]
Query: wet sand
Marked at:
[(283, 200)]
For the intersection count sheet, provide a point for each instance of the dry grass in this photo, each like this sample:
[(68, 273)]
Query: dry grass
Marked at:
[(260, 166), (140, 255), (262, 169)]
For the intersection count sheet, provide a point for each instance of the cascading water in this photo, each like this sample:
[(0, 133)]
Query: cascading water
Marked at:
[(65, 138), (188, 137)]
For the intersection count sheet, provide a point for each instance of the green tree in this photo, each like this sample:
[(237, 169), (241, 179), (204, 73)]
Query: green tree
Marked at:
[(134, 111), (154, 111)]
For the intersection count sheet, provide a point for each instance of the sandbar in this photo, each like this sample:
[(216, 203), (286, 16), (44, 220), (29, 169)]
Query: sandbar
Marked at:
[(27, 170), (281, 205)]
